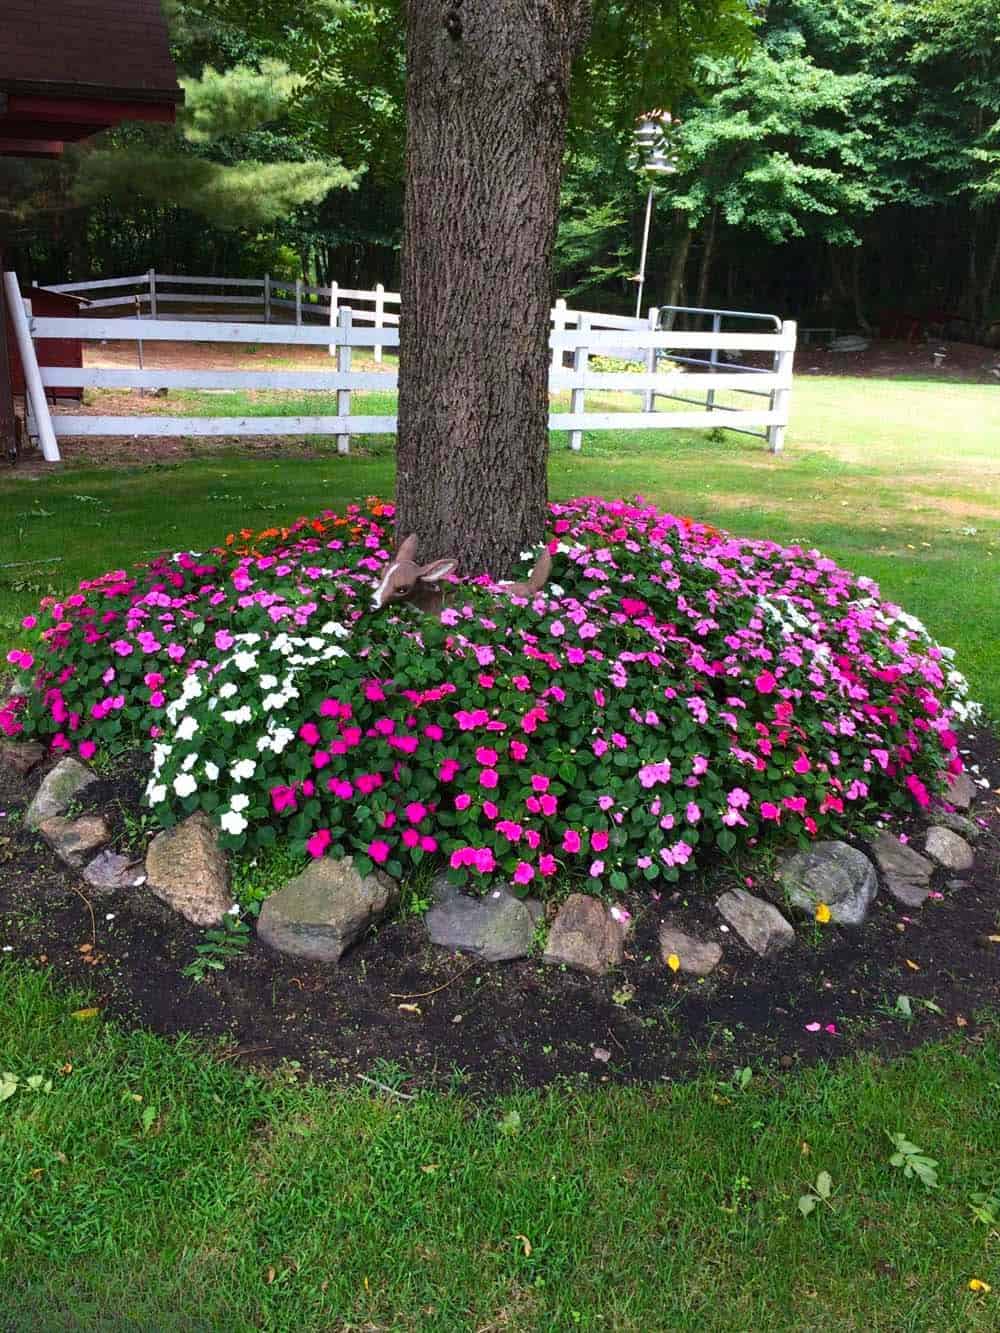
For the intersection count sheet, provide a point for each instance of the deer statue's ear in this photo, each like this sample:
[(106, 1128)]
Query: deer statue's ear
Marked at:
[(540, 574), (436, 570), (408, 548)]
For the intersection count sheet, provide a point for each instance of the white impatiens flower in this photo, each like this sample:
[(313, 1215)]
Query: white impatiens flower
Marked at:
[(335, 628), (238, 716), (211, 771), (228, 690), (245, 661), (268, 682), (187, 728), (232, 822), (242, 770), (274, 700), (240, 801), (185, 785), (189, 762), (156, 793), (248, 638), (281, 738)]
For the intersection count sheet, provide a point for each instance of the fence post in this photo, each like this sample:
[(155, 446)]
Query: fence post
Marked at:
[(379, 316), (298, 303), (343, 368), (648, 404), (558, 326), (333, 315), (781, 395), (581, 355), (20, 312), (152, 293), (713, 358), (267, 298)]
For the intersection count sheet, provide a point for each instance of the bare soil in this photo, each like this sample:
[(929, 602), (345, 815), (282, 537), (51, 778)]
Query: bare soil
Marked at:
[(502, 1026)]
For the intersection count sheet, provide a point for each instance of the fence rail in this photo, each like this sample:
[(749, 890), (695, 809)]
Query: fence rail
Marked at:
[(577, 336)]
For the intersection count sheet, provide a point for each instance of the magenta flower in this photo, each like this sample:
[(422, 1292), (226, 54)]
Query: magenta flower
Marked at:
[(488, 777), (309, 733), (415, 812), (379, 851), (524, 873), (571, 841), (486, 756), (598, 840), (282, 798), (765, 683), (319, 842)]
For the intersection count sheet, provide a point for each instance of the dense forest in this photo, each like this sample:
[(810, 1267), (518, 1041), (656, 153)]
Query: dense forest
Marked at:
[(835, 160)]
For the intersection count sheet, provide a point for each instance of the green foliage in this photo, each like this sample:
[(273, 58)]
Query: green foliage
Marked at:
[(219, 946), (913, 1162), (246, 194), (821, 1192), (241, 99)]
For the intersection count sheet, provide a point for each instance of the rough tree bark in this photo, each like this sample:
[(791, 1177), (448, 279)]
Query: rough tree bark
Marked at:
[(487, 101)]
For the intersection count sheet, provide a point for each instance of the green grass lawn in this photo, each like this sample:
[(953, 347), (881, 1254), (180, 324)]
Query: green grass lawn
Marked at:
[(157, 1187)]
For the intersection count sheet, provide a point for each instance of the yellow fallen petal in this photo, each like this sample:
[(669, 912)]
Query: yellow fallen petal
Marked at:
[(674, 963), (822, 913), (84, 1014), (975, 1284), (914, 967)]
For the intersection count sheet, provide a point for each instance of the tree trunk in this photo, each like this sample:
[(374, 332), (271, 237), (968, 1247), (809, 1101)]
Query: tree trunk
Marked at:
[(678, 264), (487, 100), (707, 255)]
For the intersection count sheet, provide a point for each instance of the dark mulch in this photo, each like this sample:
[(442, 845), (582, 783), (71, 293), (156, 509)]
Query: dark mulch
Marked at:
[(519, 1024)]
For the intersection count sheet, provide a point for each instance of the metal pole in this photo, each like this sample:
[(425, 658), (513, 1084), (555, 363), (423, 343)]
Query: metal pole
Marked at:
[(645, 246)]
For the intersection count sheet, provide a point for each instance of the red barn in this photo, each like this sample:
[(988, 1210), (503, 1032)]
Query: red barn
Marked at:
[(69, 69)]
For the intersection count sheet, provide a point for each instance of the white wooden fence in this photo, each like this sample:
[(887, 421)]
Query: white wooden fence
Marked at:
[(577, 337), (273, 300)]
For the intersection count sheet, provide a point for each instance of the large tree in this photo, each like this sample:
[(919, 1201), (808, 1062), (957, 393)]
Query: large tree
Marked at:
[(489, 86)]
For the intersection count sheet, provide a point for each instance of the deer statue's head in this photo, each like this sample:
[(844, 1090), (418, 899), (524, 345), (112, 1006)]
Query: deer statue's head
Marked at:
[(405, 579)]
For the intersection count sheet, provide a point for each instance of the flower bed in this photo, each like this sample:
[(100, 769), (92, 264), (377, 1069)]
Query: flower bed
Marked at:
[(674, 689)]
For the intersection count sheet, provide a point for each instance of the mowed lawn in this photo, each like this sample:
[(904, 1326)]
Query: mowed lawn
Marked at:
[(157, 1187)]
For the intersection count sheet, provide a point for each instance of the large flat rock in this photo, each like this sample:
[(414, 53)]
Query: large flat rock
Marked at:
[(696, 957), (906, 873), (60, 787), (324, 910), (832, 873), (186, 869), (496, 927), (586, 936), (759, 925)]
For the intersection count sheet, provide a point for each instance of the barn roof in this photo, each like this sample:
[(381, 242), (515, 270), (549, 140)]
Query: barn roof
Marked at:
[(70, 68), (105, 49)]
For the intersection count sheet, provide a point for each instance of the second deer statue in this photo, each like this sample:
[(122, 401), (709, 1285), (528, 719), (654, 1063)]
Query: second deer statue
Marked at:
[(405, 580)]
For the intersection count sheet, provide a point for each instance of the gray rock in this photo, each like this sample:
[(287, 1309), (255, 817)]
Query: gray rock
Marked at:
[(962, 791), (759, 925), (186, 869), (959, 824), (110, 872), (21, 759), (907, 874), (831, 873), (948, 849), (585, 936), (60, 788), (496, 927), (441, 889), (697, 957), (324, 910), (75, 841)]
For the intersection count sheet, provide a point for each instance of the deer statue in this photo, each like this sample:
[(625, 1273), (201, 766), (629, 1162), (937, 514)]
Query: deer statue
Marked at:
[(405, 580)]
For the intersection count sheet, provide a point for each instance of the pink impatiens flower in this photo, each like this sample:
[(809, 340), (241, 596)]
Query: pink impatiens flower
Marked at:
[(379, 851), (524, 873), (319, 842)]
